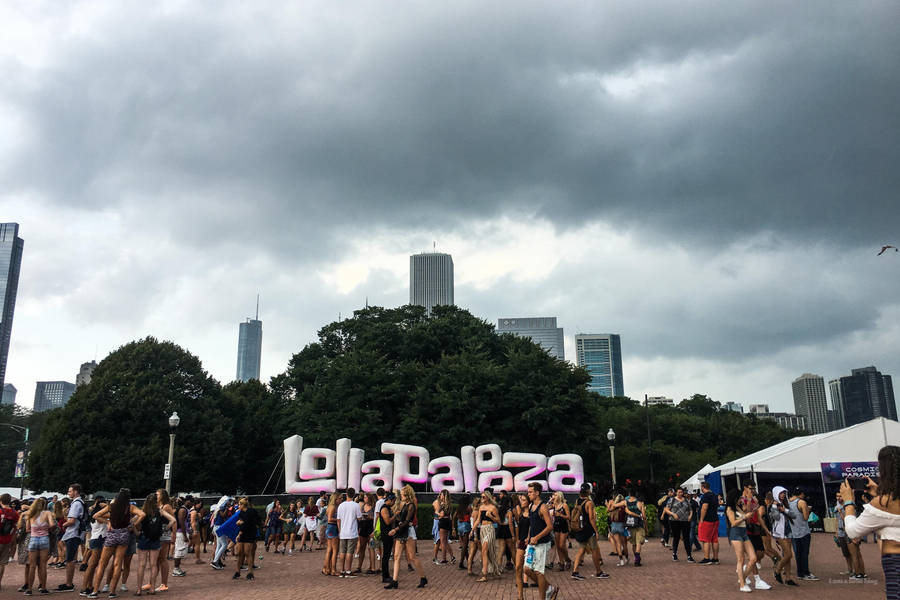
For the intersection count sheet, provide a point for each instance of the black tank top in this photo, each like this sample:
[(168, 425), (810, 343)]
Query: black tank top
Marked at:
[(486, 517), (524, 525), (537, 524)]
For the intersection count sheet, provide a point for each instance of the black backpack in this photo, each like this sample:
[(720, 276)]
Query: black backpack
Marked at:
[(84, 521), (7, 526), (152, 527)]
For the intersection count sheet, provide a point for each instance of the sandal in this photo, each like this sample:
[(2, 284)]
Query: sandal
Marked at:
[(481, 579)]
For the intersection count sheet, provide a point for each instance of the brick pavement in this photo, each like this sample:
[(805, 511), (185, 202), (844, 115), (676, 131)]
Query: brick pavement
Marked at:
[(298, 576)]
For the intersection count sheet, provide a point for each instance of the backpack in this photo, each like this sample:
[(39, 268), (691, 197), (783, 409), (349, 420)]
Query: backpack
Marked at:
[(575, 517), (152, 527), (377, 533), (7, 526), (84, 521)]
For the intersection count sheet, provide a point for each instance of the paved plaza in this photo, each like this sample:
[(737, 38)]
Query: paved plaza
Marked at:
[(298, 576)]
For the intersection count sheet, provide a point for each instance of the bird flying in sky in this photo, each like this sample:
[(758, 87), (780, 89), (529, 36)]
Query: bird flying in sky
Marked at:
[(885, 248)]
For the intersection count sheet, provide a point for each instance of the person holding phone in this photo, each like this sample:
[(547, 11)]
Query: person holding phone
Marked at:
[(881, 515)]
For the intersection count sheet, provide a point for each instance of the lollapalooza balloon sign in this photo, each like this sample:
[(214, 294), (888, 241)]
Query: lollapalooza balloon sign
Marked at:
[(311, 470)]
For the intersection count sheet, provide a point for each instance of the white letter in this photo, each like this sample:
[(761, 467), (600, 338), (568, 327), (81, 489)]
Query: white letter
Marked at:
[(402, 455), (488, 457), (452, 480), (486, 480), (380, 474), (467, 454), (343, 456), (357, 457), (575, 472), (526, 459)]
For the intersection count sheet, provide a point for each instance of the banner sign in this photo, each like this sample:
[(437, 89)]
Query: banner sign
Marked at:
[(311, 470), (20, 464), (835, 472)]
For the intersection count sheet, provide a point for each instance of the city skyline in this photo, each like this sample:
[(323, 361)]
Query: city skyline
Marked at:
[(713, 182)]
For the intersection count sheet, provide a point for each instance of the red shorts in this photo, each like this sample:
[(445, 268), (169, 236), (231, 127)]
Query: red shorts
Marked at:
[(708, 531)]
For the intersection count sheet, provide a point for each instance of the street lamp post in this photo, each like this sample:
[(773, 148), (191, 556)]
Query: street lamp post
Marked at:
[(611, 436), (23, 430), (174, 420)]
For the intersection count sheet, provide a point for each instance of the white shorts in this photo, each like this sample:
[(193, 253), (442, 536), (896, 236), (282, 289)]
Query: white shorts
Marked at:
[(311, 523), (537, 560), (181, 545)]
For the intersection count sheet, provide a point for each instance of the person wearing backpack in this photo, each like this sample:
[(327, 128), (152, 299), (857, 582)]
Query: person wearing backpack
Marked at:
[(76, 525), (9, 519), (148, 541), (583, 528)]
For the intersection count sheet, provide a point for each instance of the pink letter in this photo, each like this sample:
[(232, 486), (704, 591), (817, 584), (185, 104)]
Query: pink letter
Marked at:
[(402, 455), (380, 474), (574, 474), (526, 459)]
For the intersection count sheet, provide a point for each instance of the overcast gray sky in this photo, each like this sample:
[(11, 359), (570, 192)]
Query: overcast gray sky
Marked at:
[(710, 180)]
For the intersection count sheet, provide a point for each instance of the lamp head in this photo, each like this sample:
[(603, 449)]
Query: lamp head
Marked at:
[(174, 420), (611, 435)]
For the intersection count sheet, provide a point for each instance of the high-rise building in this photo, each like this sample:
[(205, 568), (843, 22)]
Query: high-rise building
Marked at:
[(810, 401), (430, 280), (249, 348), (84, 373), (733, 407), (9, 393), (542, 331), (862, 396), (786, 420), (601, 355), (52, 394), (758, 409), (11, 246)]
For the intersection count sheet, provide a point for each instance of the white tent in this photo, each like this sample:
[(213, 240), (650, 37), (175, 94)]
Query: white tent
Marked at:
[(858, 443), (693, 483)]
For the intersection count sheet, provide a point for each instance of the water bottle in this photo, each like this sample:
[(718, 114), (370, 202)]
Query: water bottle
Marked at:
[(529, 555)]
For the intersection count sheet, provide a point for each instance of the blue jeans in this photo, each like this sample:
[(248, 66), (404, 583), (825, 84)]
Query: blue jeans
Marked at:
[(695, 543), (801, 552), (221, 546)]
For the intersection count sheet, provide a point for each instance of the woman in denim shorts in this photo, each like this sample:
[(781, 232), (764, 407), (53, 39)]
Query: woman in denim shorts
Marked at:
[(39, 520), (737, 515), (121, 516)]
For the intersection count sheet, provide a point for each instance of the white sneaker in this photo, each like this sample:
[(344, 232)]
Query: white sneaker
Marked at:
[(746, 588), (762, 585), (105, 589), (123, 588), (551, 592)]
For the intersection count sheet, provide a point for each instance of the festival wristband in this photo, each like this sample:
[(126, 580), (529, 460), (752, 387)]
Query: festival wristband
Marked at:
[(849, 503)]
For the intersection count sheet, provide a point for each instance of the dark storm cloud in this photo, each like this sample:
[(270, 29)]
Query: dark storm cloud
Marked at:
[(285, 126)]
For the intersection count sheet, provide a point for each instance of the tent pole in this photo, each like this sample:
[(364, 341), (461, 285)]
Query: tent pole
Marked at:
[(755, 480)]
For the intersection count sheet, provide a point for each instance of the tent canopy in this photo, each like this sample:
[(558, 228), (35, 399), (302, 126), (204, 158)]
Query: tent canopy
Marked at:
[(858, 443), (693, 483)]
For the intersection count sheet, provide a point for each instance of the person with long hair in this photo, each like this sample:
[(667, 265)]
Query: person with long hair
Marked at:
[(463, 517), (331, 536), (404, 538), (165, 540), (766, 522), (366, 527), (121, 517), (486, 520), (40, 521), (474, 542), (523, 526), (220, 514), (782, 516), (310, 524), (98, 535), (586, 536), (24, 535), (273, 525), (505, 535), (679, 511), (386, 522), (288, 527), (57, 547), (881, 515), (738, 513), (153, 524), (560, 509), (248, 523), (443, 513)]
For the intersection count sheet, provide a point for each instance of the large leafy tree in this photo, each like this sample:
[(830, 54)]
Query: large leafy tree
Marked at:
[(113, 432), (441, 381)]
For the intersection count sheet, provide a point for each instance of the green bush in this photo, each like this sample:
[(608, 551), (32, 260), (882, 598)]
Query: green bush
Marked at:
[(650, 513), (602, 522)]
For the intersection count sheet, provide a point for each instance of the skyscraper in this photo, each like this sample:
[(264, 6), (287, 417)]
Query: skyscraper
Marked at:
[(9, 393), (430, 280), (11, 246), (84, 373), (249, 348), (864, 395), (542, 331), (810, 401), (601, 355), (52, 394)]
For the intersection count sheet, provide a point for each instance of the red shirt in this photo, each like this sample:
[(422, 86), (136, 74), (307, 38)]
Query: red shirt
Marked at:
[(9, 514)]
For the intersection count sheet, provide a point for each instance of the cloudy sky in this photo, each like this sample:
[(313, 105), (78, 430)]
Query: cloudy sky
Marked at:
[(711, 180)]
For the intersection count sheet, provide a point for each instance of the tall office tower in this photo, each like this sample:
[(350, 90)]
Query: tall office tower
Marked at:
[(542, 331), (11, 246), (733, 407), (864, 395), (430, 280), (249, 348), (84, 373), (52, 394), (759, 409), (601, 355), (810, 401), (9, 393)]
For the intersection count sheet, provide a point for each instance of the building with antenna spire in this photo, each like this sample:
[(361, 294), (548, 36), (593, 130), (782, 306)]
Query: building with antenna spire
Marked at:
[(249, 347), (430, 279)]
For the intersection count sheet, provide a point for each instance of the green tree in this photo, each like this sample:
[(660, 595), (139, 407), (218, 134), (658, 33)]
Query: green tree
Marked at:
[(113, 432)]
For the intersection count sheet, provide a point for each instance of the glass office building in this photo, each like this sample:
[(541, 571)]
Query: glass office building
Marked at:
[(430, 280), (52, 394), (249, 350), (601, 355), (865, 394), (541, 330), (11, 246)]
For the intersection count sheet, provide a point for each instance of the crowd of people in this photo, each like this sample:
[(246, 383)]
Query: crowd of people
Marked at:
[(524, 535)]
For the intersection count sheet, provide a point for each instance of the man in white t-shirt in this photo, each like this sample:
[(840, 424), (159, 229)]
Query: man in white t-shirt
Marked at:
[(348, 531)]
